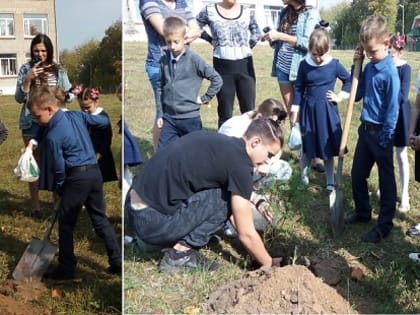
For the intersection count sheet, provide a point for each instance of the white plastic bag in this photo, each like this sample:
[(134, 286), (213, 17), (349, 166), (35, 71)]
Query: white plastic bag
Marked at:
[(295, 138), (27, 169)]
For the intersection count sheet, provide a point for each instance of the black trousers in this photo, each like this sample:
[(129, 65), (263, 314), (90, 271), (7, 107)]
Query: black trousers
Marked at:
[(238, 79), (368, 152), (84, 188)]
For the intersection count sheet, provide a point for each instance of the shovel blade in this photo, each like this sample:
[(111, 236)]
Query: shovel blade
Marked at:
[(35, 260), (337, 213)]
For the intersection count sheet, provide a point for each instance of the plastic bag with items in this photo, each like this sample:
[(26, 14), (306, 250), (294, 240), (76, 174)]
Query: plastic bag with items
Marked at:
[(27, 169), (295, 138)]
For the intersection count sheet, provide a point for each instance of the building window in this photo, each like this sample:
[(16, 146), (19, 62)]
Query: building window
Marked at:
[(34, 24), (271, 15), (8, 65), (7, 25)]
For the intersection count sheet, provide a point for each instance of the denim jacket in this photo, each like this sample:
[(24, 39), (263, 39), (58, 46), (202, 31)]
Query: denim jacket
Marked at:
[(25, 119), (307, 20)]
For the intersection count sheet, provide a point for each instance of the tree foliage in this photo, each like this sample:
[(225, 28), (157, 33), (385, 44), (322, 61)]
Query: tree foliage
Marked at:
[(97, 64), (346, 17)]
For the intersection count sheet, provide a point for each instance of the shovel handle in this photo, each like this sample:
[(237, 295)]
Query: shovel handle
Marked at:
[(56, 209), (353, 90)]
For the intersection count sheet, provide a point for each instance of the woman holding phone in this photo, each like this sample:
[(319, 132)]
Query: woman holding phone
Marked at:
[(40, 70)]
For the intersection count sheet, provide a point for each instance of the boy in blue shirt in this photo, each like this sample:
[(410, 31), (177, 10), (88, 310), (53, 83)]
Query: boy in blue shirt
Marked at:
[(181, 74), (77, 178), (379, 87)]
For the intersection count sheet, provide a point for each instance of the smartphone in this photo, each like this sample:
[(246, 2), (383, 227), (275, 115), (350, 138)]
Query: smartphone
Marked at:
[(34, 61)]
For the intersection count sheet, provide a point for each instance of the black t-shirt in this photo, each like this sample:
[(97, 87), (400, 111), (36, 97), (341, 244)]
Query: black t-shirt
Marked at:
[(198, 161)]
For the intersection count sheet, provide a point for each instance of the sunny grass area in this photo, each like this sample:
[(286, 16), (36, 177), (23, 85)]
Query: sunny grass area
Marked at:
[(98, 292), (391, 284)]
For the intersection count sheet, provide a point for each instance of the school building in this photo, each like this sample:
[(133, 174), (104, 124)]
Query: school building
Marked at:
[(266, 12), (20, 21)]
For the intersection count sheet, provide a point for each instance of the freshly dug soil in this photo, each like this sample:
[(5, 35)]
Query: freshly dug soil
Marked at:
[(292, 289), (19, 298)]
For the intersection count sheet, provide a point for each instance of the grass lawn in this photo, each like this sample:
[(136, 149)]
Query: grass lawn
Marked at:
[(97, 292), (391, 283)]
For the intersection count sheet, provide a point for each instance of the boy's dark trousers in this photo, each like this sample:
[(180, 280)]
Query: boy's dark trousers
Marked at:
[(368, 151), (84, 187), (174, 128), (192, 225)]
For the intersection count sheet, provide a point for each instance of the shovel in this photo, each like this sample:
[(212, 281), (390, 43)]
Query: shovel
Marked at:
[(38, 254), (336, 196)]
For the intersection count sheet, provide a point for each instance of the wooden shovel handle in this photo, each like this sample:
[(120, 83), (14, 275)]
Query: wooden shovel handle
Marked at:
[(353, 89)]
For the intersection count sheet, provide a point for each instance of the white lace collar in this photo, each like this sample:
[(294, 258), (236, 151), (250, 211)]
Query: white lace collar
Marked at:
[(97, 111), (312, 63)]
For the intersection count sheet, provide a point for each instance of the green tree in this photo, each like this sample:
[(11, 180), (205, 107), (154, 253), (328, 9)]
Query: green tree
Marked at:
[(97, 64), (108, 59), (387, 8)]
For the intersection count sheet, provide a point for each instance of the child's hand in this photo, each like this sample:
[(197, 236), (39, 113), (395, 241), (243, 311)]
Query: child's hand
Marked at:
[(262, 169), (332, 97), (415, 142), (159, 122), (358, 55), (264, 210), (293, 118)]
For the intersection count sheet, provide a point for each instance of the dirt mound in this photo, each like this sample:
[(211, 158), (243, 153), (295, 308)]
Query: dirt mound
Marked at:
[(17, 298), (293, 289)]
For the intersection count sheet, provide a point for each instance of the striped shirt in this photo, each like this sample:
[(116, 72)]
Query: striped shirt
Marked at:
[(285, 53)]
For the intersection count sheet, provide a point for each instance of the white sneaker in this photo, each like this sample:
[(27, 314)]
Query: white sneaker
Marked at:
[(404, 208), (414, 257)]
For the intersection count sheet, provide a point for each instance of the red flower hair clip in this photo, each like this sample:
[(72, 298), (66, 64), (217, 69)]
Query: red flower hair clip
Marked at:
[(94, 93), (399, 42), (77, 89)]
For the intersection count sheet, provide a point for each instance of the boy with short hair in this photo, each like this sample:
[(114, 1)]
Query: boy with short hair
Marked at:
[(180, 78), (77, 178), (379, 87), (206, 179)]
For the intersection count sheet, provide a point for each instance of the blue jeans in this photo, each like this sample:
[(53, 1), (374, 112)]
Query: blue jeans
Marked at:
[(192, 225), (153, 74), (175, 128), (367, 153)]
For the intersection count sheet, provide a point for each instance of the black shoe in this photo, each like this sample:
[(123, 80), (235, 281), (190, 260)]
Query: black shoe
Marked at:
[(174, 261), (414, 231), (373, 236), (59, 274), (319, 167), (114, 269), (354, 218)]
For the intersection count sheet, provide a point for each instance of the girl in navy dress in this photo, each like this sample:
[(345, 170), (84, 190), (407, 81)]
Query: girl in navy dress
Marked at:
[(401, 137), (316, 103), (101, 138)]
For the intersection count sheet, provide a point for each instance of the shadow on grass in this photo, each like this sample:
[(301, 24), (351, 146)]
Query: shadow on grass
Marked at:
[(11, 204)]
